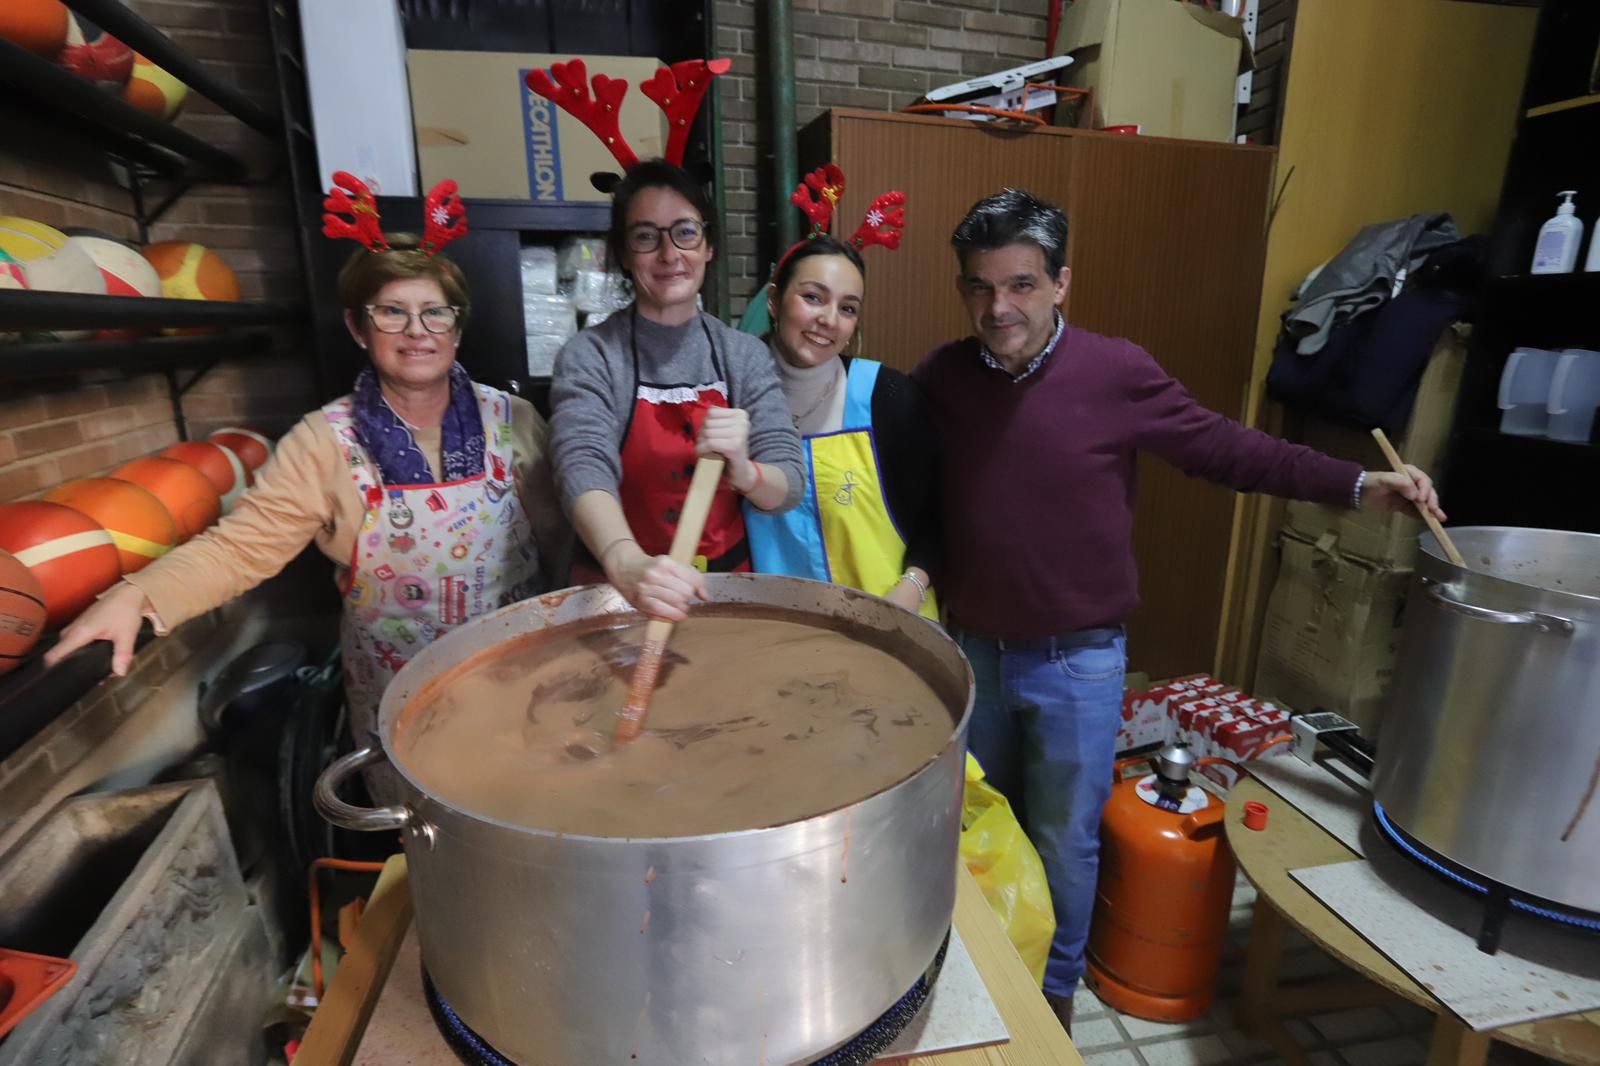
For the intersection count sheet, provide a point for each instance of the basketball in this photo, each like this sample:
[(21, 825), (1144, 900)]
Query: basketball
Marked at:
[(21, 612), (138, 523), (50, 261), (154, 91), (71, 555), (220, 466), (94, 55), (251, 447), (182, 489), (38, 25)]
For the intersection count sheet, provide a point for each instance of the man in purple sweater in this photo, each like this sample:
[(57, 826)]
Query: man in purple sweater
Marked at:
[(1040, 425)]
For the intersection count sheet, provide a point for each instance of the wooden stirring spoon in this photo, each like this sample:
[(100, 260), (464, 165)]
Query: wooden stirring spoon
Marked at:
[(1427, 516), (685, 540)]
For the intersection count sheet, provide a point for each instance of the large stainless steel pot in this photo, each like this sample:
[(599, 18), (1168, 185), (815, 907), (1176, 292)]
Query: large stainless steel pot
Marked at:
[(1489, 749), (768, 946)]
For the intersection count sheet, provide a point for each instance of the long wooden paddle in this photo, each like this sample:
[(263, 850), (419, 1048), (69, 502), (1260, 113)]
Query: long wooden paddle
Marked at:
[(685, 541), (1427, 516)]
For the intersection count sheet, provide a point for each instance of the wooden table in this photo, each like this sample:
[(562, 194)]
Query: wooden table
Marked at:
[(1036, 1037), (1292, 841)]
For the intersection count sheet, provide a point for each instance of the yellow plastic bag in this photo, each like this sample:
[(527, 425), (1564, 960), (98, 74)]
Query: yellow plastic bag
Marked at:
[(1002, 860)]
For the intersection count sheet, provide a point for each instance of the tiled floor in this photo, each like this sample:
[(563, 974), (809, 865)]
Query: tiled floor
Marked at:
[(1395, 1035)]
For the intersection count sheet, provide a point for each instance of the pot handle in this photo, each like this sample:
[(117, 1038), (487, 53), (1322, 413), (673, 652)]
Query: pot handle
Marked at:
[(348, 815), (1546, 623)]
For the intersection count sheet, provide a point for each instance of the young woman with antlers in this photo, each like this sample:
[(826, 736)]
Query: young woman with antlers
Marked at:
[(433, 495), (638, 398), (869, 517)]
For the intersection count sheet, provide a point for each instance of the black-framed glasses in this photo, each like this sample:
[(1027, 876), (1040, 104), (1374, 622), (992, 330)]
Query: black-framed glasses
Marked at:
[(686, 233), (387, 318)]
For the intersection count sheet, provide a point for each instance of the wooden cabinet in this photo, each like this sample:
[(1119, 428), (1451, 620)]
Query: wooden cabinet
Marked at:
[(1166, 244)]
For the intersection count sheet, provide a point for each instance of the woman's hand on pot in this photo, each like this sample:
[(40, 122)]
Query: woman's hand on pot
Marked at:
[(1384, 490), (116, 617), (726, 432), (656, 585)]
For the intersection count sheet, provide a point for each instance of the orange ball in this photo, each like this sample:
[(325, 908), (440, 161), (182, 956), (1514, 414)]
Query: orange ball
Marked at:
[(40, 26), (191, 500), (252, 448), (137, 521), (71, 555), (220, 466), (21, 612)]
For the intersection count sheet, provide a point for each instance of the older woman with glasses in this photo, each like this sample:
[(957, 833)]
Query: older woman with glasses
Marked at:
[(432, 495), (637, 398)]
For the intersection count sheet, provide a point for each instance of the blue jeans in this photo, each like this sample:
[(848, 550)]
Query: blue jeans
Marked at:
[(1044, 726)]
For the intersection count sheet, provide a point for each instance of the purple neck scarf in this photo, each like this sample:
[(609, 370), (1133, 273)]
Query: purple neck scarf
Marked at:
[(390, 444)]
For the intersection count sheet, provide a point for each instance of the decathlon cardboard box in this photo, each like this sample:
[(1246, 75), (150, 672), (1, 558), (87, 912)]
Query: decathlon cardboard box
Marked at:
[(478, 123)]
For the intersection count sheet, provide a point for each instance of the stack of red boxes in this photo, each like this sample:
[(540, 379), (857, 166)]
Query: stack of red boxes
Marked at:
[(1211, 717)]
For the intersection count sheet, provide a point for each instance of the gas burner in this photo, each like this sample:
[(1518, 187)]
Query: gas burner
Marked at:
[(1499, 899), (871, 1042)]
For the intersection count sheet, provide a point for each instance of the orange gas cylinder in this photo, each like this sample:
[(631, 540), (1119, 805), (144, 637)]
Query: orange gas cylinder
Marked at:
[(1161, 907)]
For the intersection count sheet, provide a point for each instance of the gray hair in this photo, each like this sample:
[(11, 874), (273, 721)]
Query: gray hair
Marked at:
[(1013, 216)]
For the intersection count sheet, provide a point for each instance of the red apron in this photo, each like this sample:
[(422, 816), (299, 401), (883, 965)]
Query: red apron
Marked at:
[(658, 456)]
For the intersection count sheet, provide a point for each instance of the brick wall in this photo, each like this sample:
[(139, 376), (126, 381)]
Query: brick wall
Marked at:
[(848, 53), (76, 427)]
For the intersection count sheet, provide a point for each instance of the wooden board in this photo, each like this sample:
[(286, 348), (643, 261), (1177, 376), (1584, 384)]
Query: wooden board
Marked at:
[(1166, 243), (1292, 841)]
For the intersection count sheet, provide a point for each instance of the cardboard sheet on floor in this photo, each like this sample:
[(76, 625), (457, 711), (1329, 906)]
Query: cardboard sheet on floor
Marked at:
[(959, 1013), (1429, 929)]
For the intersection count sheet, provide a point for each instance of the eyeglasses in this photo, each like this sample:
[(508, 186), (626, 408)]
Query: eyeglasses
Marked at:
[(387, 318), (687, 233)]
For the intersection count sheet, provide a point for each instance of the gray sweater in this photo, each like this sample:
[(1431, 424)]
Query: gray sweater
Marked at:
[(593, 389)]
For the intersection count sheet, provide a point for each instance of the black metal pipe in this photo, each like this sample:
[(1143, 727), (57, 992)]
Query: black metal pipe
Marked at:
[(40, 309), (54, 87), (31, 362), (785, 145), (123, 23)]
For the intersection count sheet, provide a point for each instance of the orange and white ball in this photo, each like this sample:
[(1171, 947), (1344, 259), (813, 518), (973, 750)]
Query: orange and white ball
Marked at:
[(185, 492), (22, 612), (40, 26), (94, 55), (252, 448), (71, 555), (154, 91), (191, 272), (221, 467), (139, 524)]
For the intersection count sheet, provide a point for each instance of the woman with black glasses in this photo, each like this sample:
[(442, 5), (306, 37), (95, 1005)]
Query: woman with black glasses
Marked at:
[(433, 495), (639, 397)]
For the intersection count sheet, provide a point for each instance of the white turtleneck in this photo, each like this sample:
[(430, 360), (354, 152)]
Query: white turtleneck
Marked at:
[(815, 394)]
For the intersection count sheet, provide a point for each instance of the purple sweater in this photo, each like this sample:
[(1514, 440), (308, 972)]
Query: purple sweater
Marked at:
[(1037, 478)]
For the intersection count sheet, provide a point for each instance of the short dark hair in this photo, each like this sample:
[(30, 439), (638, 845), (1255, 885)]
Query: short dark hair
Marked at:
[(822, 244), (653, 174), (365, 273), (1012, 216)]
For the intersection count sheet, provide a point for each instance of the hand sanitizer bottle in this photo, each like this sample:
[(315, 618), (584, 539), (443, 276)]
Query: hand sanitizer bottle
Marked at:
[(1559, 238)]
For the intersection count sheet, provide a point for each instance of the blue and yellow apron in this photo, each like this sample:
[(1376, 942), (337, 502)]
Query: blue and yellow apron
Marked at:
[(841, 530)]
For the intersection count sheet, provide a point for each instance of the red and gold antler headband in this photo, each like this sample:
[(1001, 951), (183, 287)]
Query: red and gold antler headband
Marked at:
[(443, 217), (677, 90), (818, 196)]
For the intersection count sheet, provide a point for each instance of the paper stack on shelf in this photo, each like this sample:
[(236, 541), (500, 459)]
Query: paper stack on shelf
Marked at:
[(548, 317)]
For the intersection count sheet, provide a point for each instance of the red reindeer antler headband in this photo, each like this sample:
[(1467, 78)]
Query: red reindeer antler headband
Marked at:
[(677, 90), (818, 196), (443, 217)]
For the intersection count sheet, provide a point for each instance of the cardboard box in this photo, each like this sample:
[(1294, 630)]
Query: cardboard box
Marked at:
[(1169, 68), (360, 109), (1386, 537), (1328, 643), (477, 122), (1147, 715)]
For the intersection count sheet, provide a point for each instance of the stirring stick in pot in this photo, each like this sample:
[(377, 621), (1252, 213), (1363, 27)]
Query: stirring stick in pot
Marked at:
[(685, 541), (1427, 516)]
